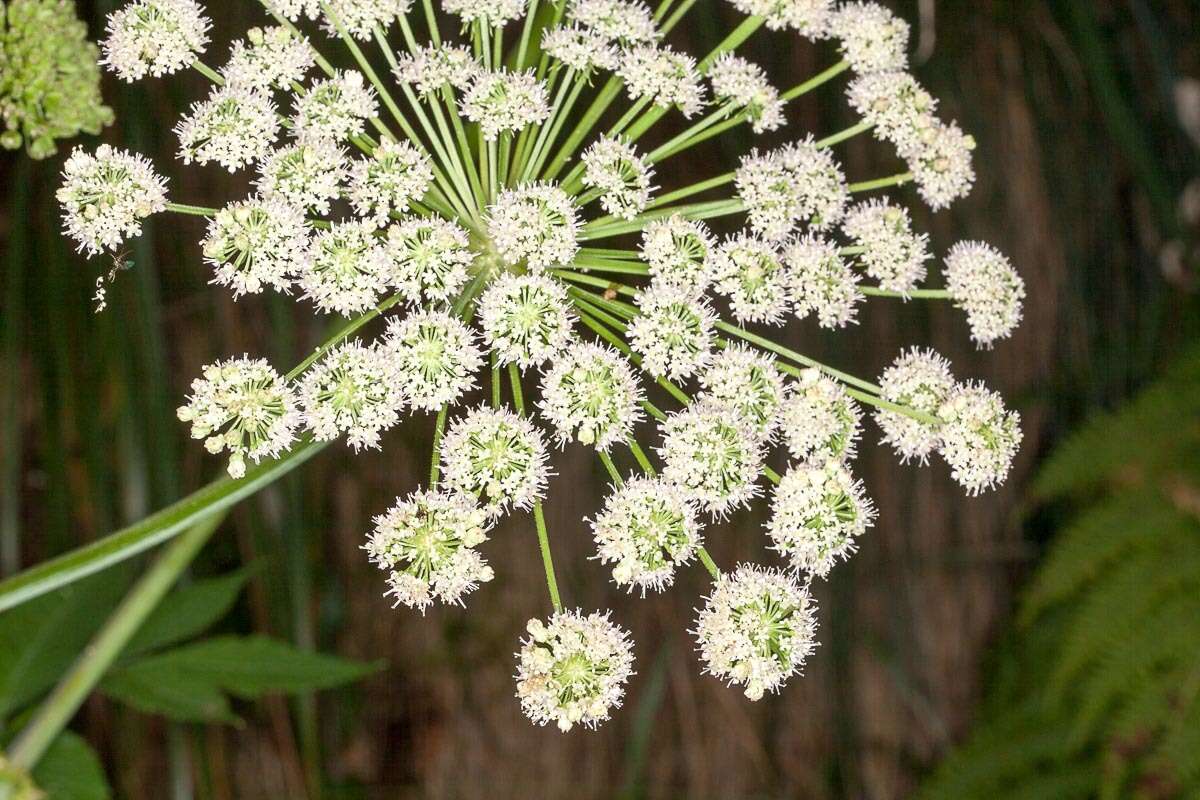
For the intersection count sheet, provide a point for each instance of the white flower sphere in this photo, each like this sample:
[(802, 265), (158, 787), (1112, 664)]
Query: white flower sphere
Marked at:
[(674, 333), (106, 195), (333, 108), (809, 17), (430, 259), (744, 85), (351, 390), (268, 58), (942, 164), (154, 37), (750, 273), (591, 394), (505, 102), (871, 37), (647, 529), (434, 356), (496, 456), (983, 283), (713, 456), (535, 224), (572, 669), (622, 22), (621, 176), (799, 183), (526, 319), (347, 268), (822, 282), (892, 254), (819, 420), (920, 380), (756, 629), (676, 251), (234, 127), (305, 174), (979, 437), (817, 514), (747, 381), (257, 243), (664, 77), (388, 181)]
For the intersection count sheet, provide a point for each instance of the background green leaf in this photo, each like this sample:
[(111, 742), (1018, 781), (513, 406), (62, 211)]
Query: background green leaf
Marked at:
[(70, 770)]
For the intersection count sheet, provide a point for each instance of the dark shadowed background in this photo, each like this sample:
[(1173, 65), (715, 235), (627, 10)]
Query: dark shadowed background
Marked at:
[(1088, 121)]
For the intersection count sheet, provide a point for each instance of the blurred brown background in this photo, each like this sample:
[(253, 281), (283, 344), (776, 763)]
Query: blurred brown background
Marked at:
[(1088, 118)]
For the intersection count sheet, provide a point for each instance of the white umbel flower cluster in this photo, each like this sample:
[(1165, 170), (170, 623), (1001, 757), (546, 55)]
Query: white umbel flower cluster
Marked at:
[(234, 127), (676, 251), (352, 390), (809, 17), (979, 437), (154, 37), (748, 271), (504, 102), (622, 22), (388, 181), (744, 85), (892, 253), (536, 224), (713, 455), (747, 381), (897, 107), (822, 282), (106, 195), (434, 356), (615, 170), (572, 669), (306, 174), (920, 380), (428, 544), (245, 407), (268, 58), (493, 13), (799, 183), (819, 420), (497, 457), (817, 514), (581, 48), (359, 18), (431, 68), (347, 268), (590, 393), (871, 37), (647, 530), (756, 629), (983, 283), (666, 78), (257, 243), (674, 333), (526, 319), (430, 257), (333, 108)]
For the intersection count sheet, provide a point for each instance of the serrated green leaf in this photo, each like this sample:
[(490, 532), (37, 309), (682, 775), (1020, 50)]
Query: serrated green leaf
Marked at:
[(187, 612), (70, 770)]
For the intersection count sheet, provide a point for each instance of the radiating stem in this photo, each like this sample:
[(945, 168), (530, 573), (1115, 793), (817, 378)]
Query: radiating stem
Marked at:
[(882, 183), (439, 428)]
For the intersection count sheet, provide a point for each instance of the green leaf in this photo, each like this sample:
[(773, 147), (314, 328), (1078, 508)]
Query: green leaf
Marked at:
[(151, 689), (70, 770), (187, 612)]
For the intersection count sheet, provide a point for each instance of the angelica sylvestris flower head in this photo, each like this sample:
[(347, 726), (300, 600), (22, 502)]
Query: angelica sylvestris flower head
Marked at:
[(819, 420), (333, 108), (505, 102), (979, 436), (667, 78), (756, 629), (896, 106), (154, 37), (256, 243), (359, 18), (942, 164), (647, 530), (822, 282), (535, 224), (573, 668), (798, 183), (430, 68), (747, 381), (234, 127), (493, 13), (744, 85), (871, 37), (434, 356), (428, 544), (748, 271), (817, 514), (983, 283), (674, 333), (526, 319), (920, 380), (243, 406), (388, 181), (892, 254), (305, 174), (496, 456), (676, 250), (352, 391), (622, 177), (623, 22), (713, 455), (347, 268), (268, 58), (106, 195), (590, 393), (809, 17), (580, 48), (430, 257)]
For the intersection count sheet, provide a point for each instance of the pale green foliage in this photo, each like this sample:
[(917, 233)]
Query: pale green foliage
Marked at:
[(49, 78)]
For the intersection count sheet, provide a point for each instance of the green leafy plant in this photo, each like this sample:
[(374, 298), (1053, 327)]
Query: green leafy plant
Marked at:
[(1098, 693)]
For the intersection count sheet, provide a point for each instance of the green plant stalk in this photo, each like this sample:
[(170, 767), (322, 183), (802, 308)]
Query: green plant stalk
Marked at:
[(74, 687)]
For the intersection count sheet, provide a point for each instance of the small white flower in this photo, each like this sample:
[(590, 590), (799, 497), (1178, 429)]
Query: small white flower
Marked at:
[(434, 357), (748, 271), (526, 319), (306, 174), (243, 406), (983, 283), (347, 268), (351, 390), (942, 164), (497, 456), (896, 105), (430, 257), (333, 108), (389, 180), (359, 18), (665, 77), (623, 22), (677, 250), (893, 254), (980, 437), (295, 9), (713, 455), (505, 102), (756, 629), (537, 224), (817, 515), (154, 37), (871, 37), (582, 49), (920, 380), (256, 243), (798, 183), (430, 68), (492, 13), (427, 543), (646, 531), (822, 282), (620, 174), (590, 393), (572, 669), (268, 58), (747, 381), (106, 195), (673, 333), (820, 422), (234, 127), (744, 85), (809, 17)]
